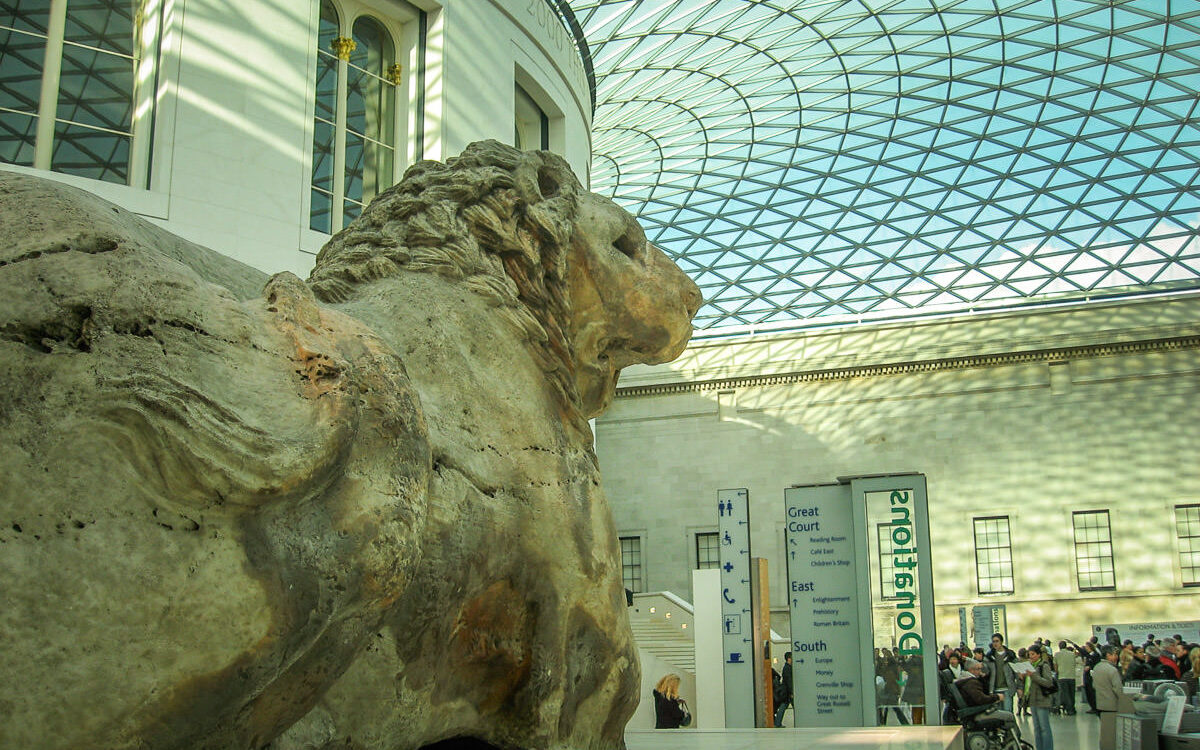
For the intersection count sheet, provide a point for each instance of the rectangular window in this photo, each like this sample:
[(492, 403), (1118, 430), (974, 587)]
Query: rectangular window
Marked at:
[(887, 561), (77, 86), (631, 563), (993, 555), (708, 551), (531, 126), (1187, 528), (1093, 550)]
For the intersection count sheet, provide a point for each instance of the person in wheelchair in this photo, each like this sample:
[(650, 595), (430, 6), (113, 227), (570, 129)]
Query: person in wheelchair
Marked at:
[(985, 723)]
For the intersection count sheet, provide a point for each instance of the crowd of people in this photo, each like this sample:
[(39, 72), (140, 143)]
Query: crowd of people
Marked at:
[(1036, 681), (1039, 681)]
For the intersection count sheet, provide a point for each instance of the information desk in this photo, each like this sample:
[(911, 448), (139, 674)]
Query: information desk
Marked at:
[(830, 738), (1137, 732)]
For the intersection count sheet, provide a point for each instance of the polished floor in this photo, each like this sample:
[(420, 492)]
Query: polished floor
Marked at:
[(1078, 732)]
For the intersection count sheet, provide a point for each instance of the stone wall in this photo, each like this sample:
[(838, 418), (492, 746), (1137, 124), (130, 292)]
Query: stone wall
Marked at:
[(1031, 415)]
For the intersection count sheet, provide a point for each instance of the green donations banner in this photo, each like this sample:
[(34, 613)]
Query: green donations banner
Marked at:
[(861, 597)]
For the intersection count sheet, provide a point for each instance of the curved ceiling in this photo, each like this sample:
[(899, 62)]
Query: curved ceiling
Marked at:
[(816, 161)]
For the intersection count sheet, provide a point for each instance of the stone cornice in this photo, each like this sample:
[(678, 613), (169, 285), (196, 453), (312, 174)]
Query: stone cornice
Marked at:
[(1048, 355)]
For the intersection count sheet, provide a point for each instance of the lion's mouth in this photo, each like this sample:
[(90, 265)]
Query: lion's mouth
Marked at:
[(620, 352)]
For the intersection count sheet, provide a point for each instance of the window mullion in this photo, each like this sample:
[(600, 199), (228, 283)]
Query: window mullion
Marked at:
[(145, 60), (337, 210), (51, 70)]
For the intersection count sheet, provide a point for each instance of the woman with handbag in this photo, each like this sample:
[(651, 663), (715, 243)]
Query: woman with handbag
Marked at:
[(670, 711)]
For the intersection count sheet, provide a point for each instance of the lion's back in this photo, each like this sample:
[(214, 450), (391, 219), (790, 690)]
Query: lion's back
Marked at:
[(174, 451)]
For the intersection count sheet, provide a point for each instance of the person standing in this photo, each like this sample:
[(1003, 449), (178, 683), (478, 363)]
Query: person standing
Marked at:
[(1067, 662), (670, 711), (1091, 657), (1138, 668), (1021, 669), (1001, 679), (1106, 682), (914, 688), (1169, 658), (784, 698), (1039, 696)]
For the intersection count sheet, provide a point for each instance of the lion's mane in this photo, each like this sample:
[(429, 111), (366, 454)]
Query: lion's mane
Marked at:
[(495, 218)]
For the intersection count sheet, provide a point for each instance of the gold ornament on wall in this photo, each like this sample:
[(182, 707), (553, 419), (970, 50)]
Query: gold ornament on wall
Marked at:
[(343, 46), (395, 74)]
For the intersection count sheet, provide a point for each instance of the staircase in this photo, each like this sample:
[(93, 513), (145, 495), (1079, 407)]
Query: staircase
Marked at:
[(662, 625)]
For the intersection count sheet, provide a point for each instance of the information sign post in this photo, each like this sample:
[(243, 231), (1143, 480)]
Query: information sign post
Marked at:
[(987, 620), (738, 653), (860, 580), (824, 599)]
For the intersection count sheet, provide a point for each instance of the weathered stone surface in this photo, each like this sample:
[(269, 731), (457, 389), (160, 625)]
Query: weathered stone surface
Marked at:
[(362, 512), (209, 503)]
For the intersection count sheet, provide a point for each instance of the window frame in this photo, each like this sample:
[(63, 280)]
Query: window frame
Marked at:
[(349, 14), (1006, 557), (706, 563), (1188, 544), (639, 580), (551, 118), (147, 61), (1111, 556), (523, 100), (887, 561)]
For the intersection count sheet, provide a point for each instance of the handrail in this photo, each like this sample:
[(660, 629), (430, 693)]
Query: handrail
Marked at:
[(687, 607)]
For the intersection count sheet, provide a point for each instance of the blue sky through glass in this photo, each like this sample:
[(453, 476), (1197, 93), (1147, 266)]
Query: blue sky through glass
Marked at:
[(808, 161)]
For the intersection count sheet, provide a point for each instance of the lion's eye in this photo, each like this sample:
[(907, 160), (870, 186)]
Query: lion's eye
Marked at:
[(628, 245)]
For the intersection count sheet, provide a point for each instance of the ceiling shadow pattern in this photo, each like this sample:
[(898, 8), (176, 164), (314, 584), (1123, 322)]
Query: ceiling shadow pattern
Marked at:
[(821, 161)]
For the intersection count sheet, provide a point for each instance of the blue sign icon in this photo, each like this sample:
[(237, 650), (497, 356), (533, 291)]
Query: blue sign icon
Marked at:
[(733, 624), (735, 658), (728, 567), (724, 508), (726, 539), (728, 598)]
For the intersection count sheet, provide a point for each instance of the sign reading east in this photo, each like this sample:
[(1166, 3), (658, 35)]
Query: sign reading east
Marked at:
[(822, 595)]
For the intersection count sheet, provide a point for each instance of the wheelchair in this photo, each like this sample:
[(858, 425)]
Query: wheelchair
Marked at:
[(981, 730)]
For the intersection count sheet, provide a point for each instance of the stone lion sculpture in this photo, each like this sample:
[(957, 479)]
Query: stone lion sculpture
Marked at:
[(361, 512)]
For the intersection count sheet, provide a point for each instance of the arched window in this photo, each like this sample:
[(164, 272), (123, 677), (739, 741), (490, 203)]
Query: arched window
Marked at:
[(76, 86), (354, 131)]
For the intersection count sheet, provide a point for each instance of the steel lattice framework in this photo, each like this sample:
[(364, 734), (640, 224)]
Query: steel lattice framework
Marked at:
[(808, 161)]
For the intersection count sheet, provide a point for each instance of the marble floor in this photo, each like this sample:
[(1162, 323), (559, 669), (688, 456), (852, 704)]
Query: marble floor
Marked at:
[(1078, 732)]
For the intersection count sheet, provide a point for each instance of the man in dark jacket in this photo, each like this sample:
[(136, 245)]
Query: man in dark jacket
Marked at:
[(783, 697), (1001, 678), (1091, 658)]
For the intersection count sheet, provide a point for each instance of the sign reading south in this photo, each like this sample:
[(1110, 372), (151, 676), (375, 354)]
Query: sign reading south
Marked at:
[(822, 597)]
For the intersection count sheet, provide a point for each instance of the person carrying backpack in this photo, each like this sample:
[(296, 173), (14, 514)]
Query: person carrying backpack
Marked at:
[(1041, 689)]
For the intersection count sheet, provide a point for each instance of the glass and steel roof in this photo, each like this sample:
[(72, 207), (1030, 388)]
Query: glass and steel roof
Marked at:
[(811, 161)]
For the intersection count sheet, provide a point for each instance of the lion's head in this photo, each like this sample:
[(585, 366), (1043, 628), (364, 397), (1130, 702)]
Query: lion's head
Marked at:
[(569, 267)]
